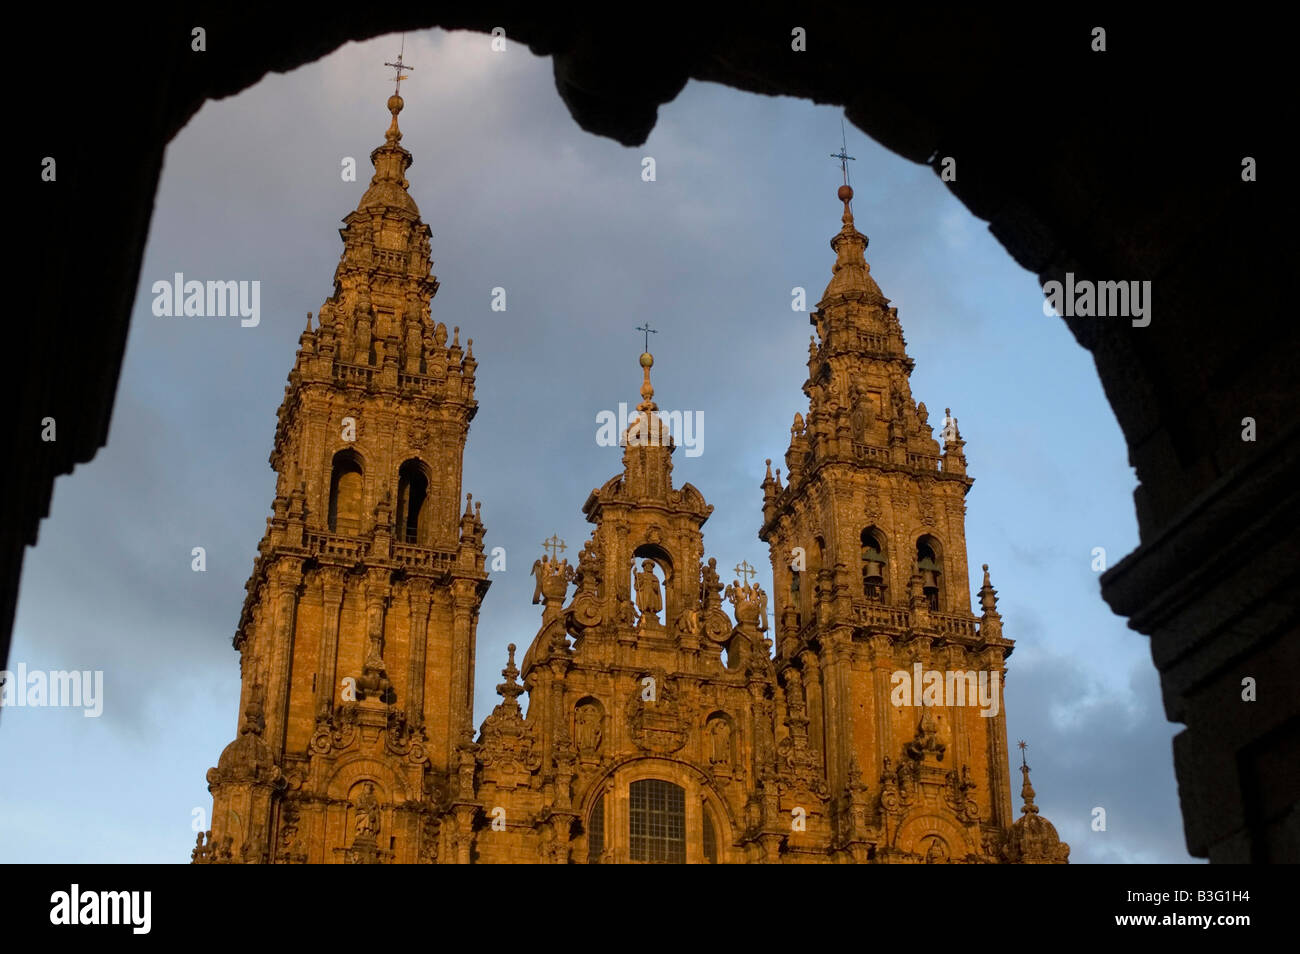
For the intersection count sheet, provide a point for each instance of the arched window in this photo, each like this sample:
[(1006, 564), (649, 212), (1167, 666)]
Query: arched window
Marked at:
[(412, 499), (928, 565), (816, 560), (345, 494), (596, 831), (657, 822), (710, 838), (873, 567)]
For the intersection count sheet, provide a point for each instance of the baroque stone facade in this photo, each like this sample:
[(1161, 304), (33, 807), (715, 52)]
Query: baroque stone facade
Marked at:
[(660, 727)]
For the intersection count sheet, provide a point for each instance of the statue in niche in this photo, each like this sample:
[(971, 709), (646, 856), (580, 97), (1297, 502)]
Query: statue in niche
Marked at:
[(720, 743), (906, 777), (936, 852), (589, 729), (762, 608), (367, 812), (626, 611), (900, 406), (861, 415), (648, 600)]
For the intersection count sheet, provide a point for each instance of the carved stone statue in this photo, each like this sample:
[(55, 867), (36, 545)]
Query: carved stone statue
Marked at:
[(860, 415), (589, 574), (720, 742), (537, 572), (589, 729), (626, 611), (745, 598), (900, 405), (648, 600), (926, 741), (367, 823), (688, 624), (710, 584), (762, 608), (937, 852)]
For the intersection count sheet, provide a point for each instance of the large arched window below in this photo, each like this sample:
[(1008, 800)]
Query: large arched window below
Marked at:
[(710, 838), (345, 494), (412, 502), (596, 831), (657, 822)]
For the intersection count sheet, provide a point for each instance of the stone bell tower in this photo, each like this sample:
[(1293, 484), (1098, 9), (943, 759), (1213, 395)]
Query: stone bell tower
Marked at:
[(357, 635), (868, 549)]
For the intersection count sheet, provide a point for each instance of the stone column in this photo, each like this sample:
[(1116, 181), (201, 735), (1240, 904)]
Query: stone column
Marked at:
[(464, 833), (418, 594), (999, 764), (460, 701), (332, 587), (813, 689), (839, 735), (883, 665), (284, 588)]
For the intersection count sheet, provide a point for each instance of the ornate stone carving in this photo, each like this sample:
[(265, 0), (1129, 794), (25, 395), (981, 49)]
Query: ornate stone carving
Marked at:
[(656, 723)]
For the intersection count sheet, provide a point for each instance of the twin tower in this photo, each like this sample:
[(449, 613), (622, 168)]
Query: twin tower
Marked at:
[(853, 715)]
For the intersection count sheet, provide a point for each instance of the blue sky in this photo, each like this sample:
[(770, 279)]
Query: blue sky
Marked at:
[(519, 197)]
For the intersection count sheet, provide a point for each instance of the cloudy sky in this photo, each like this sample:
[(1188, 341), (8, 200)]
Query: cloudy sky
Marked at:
[(518, 196)]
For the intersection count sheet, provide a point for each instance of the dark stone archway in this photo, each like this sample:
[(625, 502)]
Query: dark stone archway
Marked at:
[(1123, 165)]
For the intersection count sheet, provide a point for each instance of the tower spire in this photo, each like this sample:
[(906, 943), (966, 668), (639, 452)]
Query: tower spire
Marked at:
[(1026, 790), (395, 102), (850, 275), (376, 354), (647, 362)]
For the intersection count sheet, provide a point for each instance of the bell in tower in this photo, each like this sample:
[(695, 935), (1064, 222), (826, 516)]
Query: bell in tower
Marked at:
[(873, 568), (927, 564)]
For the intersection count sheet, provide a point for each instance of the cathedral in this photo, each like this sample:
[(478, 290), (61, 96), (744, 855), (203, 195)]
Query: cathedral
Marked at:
[(852, 715)]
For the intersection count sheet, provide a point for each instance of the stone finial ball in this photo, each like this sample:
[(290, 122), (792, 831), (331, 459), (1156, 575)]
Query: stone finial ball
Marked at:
[(647, 360), (395, 103), (845, 193)]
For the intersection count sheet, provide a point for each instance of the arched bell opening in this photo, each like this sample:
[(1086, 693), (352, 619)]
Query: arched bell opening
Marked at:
[(872, 557), (929, 563)]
